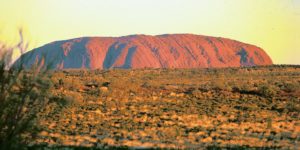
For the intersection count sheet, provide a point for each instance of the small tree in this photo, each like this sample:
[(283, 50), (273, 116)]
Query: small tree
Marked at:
[(22, 94)]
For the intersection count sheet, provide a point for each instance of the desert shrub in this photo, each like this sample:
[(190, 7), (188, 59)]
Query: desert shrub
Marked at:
[(66, 98), (150, 76), (197, 93), (218, 85), (266, 91), (147, 85), (106, 84), (235, 89), (292, 106), (22, 94), (94, 92), (243, 88), (70, 99), (68, 83), (204, 87), (289, 87)]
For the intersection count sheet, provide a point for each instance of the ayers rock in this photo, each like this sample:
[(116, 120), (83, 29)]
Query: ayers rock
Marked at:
[(140, 51)]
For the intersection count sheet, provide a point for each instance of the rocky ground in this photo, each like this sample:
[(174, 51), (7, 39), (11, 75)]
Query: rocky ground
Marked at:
[(173, 108)]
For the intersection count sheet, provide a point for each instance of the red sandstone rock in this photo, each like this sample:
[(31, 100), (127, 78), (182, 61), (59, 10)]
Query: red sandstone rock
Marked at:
[(140, 51)]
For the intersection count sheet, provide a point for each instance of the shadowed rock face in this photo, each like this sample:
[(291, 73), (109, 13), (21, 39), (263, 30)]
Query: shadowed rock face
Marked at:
[(140, 51)]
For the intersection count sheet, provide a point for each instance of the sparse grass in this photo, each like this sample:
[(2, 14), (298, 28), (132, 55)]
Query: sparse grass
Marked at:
[(176, 108)]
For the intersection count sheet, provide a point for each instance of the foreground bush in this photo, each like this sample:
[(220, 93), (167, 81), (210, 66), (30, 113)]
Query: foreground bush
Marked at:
[(22, 94)]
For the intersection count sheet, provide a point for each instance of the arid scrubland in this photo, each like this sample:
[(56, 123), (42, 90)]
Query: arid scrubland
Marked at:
[(173, 108)]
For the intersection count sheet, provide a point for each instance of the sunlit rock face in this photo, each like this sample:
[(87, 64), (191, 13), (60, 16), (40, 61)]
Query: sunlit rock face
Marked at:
[(143, 51)]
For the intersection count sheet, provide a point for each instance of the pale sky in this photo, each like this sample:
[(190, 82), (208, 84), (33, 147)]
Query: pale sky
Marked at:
[(273, 25)]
